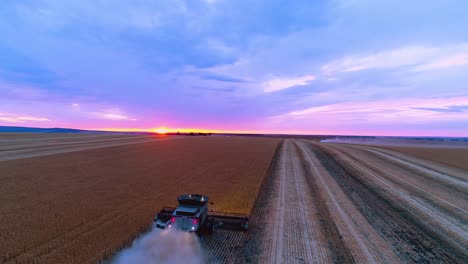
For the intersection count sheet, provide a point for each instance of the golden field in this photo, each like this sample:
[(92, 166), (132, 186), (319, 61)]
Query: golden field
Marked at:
[(76, 207)]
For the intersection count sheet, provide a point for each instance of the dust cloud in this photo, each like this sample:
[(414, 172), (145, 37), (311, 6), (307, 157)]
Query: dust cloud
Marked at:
[(163, 246), (402, 141), (369, 141)]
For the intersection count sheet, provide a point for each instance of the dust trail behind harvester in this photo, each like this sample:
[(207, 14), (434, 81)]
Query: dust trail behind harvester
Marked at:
[(402, 141), (163, 246)]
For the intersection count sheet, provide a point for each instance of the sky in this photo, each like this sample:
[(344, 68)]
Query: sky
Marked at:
[(342, 67)]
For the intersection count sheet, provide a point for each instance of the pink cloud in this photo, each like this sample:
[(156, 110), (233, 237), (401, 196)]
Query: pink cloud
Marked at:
[(421, 58), (14, 118), (452, 61), (385, 110), (409, 116)]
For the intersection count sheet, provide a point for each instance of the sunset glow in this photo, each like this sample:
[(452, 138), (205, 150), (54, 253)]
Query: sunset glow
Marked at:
[(308, 67), (165, 130), (161, 130)]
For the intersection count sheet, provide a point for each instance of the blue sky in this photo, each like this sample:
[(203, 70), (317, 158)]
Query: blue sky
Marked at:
[(336, 67)]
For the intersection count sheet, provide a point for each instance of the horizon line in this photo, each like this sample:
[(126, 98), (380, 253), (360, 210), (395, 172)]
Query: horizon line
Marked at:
[(166, 130)]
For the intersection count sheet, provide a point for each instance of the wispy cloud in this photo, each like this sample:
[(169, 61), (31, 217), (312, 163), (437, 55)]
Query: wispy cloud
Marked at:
[(21, 118), (97, 110), (448, 109), (210, 1), (222, 78), (418, 58), (381, 111), (111, 116), (277, 84), (383, 59), (58, 14), (456, 60)]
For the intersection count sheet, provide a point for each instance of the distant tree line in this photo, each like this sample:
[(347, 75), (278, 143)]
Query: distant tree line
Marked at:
[(191, 134)]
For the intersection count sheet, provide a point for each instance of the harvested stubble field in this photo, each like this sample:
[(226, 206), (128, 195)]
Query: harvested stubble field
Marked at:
[(339, 203), (26, 145), (456, 157), (80, 205)]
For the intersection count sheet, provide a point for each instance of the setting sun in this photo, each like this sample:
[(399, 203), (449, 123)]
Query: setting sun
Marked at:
[(161, 130)]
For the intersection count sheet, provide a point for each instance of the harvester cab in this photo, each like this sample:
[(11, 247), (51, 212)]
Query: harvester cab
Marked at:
[(192, 215)]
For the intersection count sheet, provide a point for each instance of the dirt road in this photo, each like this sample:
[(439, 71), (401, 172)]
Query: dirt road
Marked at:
[(342, 203)]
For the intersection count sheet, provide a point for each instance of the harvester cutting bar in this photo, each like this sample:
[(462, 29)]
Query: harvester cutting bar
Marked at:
[(164, 216), (229, 220), (166, 212)]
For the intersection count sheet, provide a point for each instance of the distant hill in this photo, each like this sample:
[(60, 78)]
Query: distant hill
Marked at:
[(16, 129), (13, 129)]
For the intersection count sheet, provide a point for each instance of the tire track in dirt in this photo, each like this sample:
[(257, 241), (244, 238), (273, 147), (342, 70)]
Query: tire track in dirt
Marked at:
[(449, 200), (66, 141), (38, 143), (219, 247), (323, 203), (312, 239), (37, 138), (447, 226), (66, 148), (362, 241), (410, 236), (277, 248), (306, 234), (350, 216), (294, 239), (453, 178), (337, 249)]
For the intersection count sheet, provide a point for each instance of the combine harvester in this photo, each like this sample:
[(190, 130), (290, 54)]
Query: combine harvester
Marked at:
[(193, 215)]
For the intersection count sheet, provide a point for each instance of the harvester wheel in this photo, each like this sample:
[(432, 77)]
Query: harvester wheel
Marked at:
[(209, 228)]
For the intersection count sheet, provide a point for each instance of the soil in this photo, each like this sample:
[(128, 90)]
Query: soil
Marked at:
[(80, 206), (337, 203), (319, 202)]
